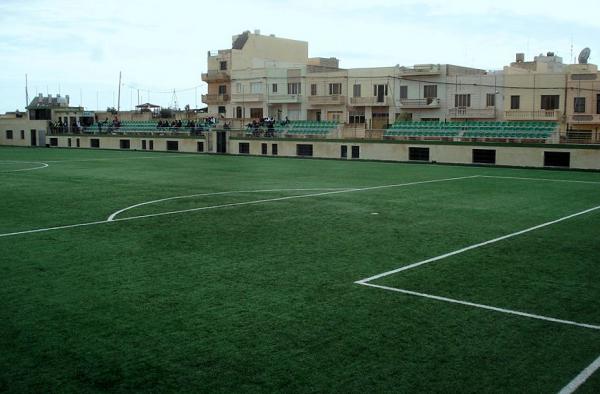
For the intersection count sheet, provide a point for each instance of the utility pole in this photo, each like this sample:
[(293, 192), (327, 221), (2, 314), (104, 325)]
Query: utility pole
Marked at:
[(119, 96), (26, 93)]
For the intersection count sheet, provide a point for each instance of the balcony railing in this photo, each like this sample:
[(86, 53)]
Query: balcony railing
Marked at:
[(543, 114), (472, 113), (285, 98), (215, 76), (584, 118), (248, 97), (327, 100), (371, 101), (420, 103), (215, 98)]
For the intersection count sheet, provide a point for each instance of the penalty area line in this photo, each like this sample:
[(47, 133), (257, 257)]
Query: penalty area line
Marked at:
[(581, 378), (483, 306), (475, 246)]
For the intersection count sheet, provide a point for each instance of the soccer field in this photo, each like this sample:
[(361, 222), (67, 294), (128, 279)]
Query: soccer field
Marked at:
[(139, 271)]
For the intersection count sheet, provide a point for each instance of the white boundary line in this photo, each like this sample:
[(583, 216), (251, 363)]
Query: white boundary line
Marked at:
[(581, 378), (491, 241), (173, 155), (43, 165), (539, 179), (113, 215), (233, 205), (483, 306)]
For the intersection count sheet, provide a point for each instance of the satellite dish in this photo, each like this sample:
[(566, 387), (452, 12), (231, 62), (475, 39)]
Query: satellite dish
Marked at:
[(584, 56)]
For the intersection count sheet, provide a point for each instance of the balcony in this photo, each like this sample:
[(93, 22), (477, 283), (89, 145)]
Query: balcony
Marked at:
[(584, 118), (285, 98), (543, 114), (327, 100), (248, 98), (216, 76), (371, 101), (425, 103), (472, 113), (215, 98)]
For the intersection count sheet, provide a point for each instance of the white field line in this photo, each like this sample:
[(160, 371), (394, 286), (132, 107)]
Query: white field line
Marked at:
[(459, 251), (112, 216), (540, 179), (39, 167), (482, 306), (123, 158), (232, 205), (581, 378)]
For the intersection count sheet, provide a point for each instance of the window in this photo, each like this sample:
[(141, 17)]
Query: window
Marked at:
[(238, 87), (355, 151), (22, 134), (256, 87), (484, 156), (403, 92), (313, 89), (430, 91), (54, 141), (598, 103), (274, 88), (124, 144), (222, 89), (223, 65), (173, 145), (263, 149), (304, 150), (557, 159), (344, 151), (462, 100), (222, 109), (515, 102), (200, 146), (9, 134), (244, 148), (418, 154), (335, 88), (356, 118), (294, 88), (550, 101), (274, 149), (356, 91), (579, 105), (94, 143), (490, 100)]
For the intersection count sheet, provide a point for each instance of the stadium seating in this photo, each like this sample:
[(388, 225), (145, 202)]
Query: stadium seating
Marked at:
[(297, 128), (473, 130), (143, 127)]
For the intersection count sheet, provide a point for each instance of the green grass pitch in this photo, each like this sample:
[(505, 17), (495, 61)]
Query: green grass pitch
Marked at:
[(247, 284)]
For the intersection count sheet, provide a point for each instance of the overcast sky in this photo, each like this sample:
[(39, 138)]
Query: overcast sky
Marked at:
[(78, 48)]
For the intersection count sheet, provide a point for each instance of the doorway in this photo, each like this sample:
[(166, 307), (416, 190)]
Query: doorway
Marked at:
[(221, 142), (33, 137)]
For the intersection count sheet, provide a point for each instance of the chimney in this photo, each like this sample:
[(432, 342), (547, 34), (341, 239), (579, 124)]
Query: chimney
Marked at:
[(520, 58)]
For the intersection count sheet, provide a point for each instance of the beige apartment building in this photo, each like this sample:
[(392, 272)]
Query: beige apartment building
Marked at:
[(583, 103), (271, 76)]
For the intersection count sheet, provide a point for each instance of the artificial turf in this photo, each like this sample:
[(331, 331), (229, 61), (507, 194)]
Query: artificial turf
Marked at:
[(261, 296)]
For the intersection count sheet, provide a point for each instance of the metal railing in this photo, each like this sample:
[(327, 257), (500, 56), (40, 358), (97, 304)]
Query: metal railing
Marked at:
[(327, 100)]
